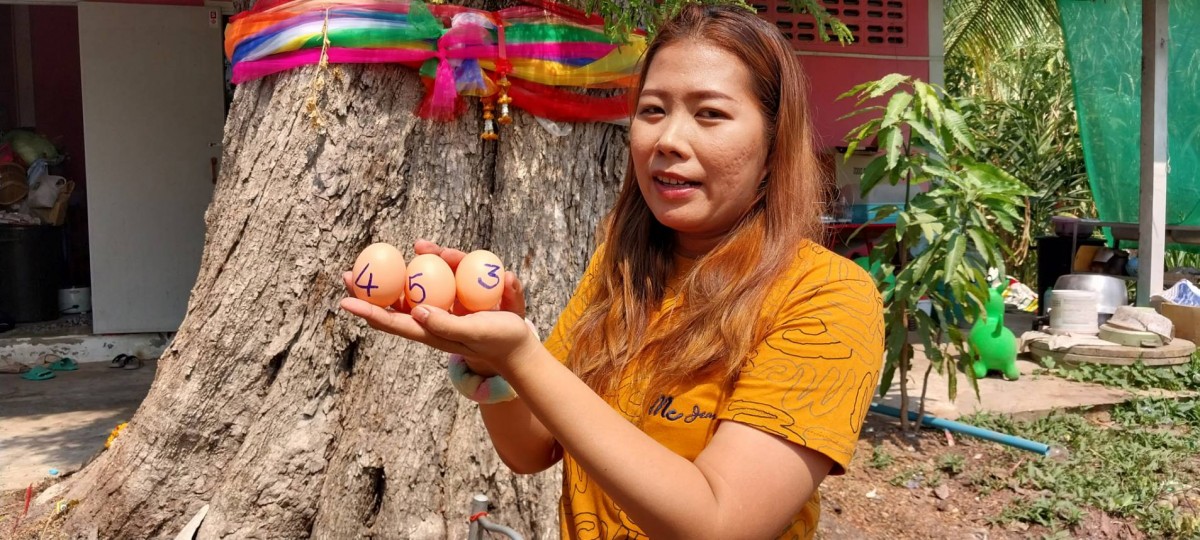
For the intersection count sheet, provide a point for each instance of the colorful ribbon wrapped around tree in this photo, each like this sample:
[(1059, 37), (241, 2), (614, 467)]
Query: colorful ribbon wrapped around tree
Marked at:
[(538, 57)]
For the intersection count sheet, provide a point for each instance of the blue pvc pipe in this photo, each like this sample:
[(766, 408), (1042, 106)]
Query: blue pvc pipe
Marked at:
[(959, 427)]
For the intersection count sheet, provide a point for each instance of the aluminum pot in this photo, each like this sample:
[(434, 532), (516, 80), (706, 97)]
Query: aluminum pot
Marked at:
[(1110, 291)]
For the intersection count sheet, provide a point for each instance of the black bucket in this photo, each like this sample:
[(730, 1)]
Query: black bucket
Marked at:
[(31, 263)]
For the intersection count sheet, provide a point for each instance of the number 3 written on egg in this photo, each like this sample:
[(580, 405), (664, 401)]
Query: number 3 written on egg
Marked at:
[(492, 274), (370, 280)]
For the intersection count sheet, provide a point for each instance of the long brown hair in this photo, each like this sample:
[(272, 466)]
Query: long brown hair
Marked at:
[(719, 321)]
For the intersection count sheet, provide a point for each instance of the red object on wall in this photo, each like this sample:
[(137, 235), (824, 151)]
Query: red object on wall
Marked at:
[(890, 36)]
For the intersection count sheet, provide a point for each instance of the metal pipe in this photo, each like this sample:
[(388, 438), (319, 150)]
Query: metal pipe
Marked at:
[(479, 507), (959, 427), (479, 503), (487, 525)]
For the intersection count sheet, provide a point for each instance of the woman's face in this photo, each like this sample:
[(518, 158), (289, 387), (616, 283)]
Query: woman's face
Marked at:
[(698, 142)]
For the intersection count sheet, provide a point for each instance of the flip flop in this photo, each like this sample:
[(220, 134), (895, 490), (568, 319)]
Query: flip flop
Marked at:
[(119, 361), (38, 373), (63, 364), (132, 362)]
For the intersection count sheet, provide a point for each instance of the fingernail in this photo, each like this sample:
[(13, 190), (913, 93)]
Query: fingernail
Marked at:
[(420, 314)]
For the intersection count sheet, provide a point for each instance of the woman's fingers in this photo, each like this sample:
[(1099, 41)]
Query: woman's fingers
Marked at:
[(451, 256), (513, 299), (400, 324), (484, 330)]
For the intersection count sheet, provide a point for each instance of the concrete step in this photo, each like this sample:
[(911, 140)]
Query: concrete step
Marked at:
[(82, 347)]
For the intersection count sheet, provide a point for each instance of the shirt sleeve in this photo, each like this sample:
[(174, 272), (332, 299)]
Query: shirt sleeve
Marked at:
[(812, 379), (558, 342)]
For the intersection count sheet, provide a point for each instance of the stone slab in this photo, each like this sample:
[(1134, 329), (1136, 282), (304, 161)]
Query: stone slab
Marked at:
[(1179, 351)]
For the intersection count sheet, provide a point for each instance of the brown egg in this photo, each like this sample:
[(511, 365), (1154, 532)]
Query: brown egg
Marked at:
[(480, 280), (379, 275), (430, 281)]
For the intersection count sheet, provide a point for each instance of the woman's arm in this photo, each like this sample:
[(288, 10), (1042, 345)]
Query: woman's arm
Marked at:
[(745, 484), (521, 440)]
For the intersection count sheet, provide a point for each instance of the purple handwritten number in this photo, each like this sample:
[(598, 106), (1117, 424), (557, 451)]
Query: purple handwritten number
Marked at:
[(370, 280), (412, 285), (492, 274)]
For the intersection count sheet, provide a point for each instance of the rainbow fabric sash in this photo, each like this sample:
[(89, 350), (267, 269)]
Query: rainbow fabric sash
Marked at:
[(539, 55)]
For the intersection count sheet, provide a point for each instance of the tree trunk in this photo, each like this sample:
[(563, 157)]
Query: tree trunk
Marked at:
[(292, 419)]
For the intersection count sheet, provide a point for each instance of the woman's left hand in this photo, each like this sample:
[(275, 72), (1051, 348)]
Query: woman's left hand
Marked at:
[(496, 337)]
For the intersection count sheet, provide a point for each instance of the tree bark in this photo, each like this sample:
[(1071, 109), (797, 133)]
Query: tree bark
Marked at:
[(291, 419)]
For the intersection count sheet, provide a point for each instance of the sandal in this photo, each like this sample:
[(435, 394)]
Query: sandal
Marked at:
[(119, 361), (38, 373), (13, 367), (62, 364), (130, 360)]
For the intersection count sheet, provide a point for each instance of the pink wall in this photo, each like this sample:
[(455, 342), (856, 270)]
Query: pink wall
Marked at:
[(831, 76)]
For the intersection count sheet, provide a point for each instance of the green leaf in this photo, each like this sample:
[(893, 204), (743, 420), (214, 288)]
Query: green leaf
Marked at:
[(927, 134), (958, 128), (893, 144), (872, 174), (958, 247), (887, 84), (930, 102), (986, 247), (859, 89), (896, 108), (859, 134)]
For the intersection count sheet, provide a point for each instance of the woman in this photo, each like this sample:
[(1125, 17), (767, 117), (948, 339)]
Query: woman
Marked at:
[(714, 364)]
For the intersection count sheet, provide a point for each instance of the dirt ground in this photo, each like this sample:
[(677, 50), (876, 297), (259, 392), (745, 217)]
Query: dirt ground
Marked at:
[(867, 503), (960, 494)]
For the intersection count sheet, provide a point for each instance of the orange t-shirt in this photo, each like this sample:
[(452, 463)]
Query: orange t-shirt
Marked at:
[(810, 381)]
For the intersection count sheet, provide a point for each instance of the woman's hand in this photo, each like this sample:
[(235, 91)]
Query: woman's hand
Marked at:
[(488, 340)]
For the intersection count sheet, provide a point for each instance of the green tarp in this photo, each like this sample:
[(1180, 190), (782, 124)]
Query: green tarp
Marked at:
[(1104, 44)]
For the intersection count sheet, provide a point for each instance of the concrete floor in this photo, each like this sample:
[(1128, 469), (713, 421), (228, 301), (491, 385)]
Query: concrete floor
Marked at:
[(62, 422)]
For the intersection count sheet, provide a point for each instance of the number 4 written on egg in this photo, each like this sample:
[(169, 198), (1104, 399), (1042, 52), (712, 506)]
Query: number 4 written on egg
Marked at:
[(370, 280)]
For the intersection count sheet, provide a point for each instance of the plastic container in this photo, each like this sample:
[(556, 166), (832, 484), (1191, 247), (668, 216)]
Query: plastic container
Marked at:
[(75, 301), (1073, 312), (30, 264)]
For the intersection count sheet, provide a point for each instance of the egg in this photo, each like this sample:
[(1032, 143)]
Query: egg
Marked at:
[(430, 281), (480, 280), (379, 275)]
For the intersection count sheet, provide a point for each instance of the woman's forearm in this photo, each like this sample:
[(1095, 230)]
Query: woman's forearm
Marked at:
[(522, 442), (664, 493)]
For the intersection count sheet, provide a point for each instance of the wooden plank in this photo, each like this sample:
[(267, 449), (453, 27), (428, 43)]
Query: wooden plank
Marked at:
[(1153, 210)]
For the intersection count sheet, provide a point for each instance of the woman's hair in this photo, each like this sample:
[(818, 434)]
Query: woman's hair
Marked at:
[(719, 321)]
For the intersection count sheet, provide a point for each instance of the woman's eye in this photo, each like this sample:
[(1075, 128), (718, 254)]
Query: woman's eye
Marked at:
[(711, 114), (650, 109)]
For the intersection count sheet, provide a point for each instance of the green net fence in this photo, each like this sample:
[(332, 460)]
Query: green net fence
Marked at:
[(1104, 44)]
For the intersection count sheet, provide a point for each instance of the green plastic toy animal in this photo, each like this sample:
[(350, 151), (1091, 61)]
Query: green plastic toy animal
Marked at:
[(991, 344)]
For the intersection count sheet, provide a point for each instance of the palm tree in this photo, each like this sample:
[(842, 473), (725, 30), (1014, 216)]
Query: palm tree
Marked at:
[(983, 30)]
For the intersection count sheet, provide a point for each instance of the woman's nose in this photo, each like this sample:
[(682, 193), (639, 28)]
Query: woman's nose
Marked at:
[(673, 139)]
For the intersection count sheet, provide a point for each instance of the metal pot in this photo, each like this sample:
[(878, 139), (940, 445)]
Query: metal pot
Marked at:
[(1110, 291)]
